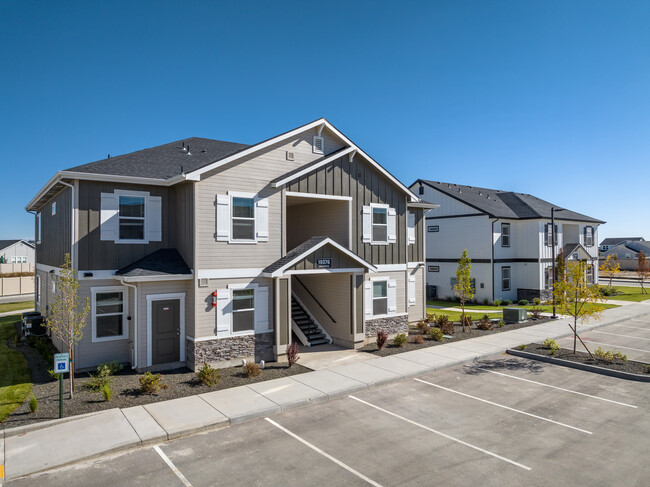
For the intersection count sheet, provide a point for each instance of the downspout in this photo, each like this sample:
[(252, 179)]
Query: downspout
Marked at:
[(135, 321), (492, 245)]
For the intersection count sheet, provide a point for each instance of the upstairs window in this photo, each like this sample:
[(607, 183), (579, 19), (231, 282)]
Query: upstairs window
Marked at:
[(243, 218), (243, 310), (548, 235), (131, 211), (380, 298), (380, 225), (505, 235), (589, 236)]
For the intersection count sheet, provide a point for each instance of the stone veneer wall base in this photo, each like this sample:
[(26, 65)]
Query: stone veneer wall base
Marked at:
[(229, 351), (390, 324)]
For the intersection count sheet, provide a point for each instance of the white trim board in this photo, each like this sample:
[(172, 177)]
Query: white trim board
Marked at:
[(228, 273), (160, 297), (317, 195)]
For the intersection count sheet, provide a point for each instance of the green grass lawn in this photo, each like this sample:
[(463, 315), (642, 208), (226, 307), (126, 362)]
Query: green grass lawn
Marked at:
[(477, 311), (15, 378), (630, 293), (4, 307)]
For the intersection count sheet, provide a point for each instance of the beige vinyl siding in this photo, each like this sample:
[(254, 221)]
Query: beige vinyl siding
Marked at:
[(417, 310), (56, 231), (206, 316), (328, 218), (252, 174)]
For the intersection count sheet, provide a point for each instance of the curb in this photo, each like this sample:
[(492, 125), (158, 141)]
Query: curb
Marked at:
[(575, 365)]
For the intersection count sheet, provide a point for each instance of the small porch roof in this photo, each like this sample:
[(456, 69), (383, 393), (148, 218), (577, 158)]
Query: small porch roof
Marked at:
[(309, 248), (570, 249), (163, 264)]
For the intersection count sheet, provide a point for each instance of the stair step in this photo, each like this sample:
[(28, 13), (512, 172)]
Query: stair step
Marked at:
[(314, 336), (320, 341)]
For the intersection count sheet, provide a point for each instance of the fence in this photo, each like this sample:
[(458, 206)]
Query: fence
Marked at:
[(13, 286), (11, 268)]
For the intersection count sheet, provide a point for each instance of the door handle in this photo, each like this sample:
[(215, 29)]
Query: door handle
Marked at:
[(178, 332)]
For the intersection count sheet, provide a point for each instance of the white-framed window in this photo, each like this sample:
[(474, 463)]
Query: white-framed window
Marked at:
[(380, 297), (548, 234), (243, 219), (54, 208), (589, 236), (548, 277), (505, 235), (576, 256), (109, 307), (131, 210), (318, 145), (434, 268), (19, 260), (130, 217), (379, 224), (411, 227), (628, 256), (243, 311), (590, 274), (505, 278), (433, 228), (38, 228)]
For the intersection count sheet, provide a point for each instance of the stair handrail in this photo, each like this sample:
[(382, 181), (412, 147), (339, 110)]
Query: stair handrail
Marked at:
[(314, 298)]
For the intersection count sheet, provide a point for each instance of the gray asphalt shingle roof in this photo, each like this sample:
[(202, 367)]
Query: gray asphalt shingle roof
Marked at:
[(164, 161), (163, 262), (618, 240), (296, 252), (505, 204), (8, 243)]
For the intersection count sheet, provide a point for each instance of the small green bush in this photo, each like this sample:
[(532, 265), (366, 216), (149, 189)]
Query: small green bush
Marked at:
[(207, 375), (536, 313), (43, 346), (537, 301), (33, 403), (521, 347), (107, 391), (446, 326), (151, 383), (486, 302), (523, 302), (609, 356), (608, 291), (436, 334), (500, 324), (484, 323), (110, 368), (399, 340), (507, 302), (53, 375), (252, 369), (431, 317), (497, 302), (551, 344)]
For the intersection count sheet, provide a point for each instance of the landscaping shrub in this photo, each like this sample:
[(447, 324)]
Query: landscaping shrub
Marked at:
[(103, 376), (446, 326), (466, 320), (399, 340), (33, 403), (423, 327), (53, 375), (484, 323), (608, 291), (252, 369), (500, 324), (486, 302), (111, 368), (208, 375), (536, 313), (292, 353), (507, 302), (522, 347), (382, 338), (43, 346), (151, 383), (497, 302), (431, 317), (609, 356), (537, 301), (107, 391), (435, 334), (523, 302), (550, 344), (419, 339)]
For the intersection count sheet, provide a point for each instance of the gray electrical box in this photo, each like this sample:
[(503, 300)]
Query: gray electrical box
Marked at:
[(514, 314)]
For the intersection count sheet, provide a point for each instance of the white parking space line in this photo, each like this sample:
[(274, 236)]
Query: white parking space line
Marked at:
[(169, 463), (326, 455), (610, 345), (619, 335), (552, 387), (469, 445), (632, 327), (505, 407)]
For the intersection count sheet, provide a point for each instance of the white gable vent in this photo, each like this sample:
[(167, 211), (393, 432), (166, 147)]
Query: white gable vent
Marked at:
[(318, 145), (289, 156)]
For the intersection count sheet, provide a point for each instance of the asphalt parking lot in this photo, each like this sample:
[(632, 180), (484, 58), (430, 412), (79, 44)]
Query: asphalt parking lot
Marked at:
[(504, 421)]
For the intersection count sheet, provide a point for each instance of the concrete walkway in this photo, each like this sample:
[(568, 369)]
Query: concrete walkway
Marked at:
[(17, 312), (44, 446)]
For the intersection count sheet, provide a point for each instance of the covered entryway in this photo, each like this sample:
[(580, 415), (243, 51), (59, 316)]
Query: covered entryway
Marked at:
[(166, 328)]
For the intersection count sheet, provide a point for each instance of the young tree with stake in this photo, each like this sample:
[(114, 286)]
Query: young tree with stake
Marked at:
[(463, 287), (576, 298), (610, 267), (642, 270), (67, 317)]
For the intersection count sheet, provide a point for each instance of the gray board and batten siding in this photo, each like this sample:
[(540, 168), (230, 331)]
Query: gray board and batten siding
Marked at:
[(56, 230), (416, 250)]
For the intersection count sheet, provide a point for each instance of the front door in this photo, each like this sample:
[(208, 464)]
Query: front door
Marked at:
[(165, 331)]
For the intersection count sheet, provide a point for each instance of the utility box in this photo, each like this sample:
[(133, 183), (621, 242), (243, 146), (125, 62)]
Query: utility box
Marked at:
[(514, 315)]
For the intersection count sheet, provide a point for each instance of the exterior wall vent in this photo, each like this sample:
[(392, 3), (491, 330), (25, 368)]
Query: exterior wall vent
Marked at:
[(203, 282), (289, 156), (318, 145)]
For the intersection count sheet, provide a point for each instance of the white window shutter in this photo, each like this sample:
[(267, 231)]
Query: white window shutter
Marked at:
[(109, 224), (411, 290), (153, 217), (262, 219), (224, 309), (411, 227), (392, 297), (262, 310), (392, 225), (223, 217), (367, 224), (368, 297)]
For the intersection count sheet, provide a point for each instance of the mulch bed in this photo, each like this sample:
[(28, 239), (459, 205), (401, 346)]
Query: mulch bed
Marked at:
[(630, 366), (126, 388), (458, 335)]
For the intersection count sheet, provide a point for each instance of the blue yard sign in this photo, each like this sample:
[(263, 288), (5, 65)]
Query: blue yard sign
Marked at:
[(61, 363)]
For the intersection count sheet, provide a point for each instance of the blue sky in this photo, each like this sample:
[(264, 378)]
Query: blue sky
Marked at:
[(548, 98)]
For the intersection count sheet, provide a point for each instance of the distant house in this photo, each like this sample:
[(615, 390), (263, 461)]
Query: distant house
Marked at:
[(609, 243), (16, 252), (627, 253), (508, 237)]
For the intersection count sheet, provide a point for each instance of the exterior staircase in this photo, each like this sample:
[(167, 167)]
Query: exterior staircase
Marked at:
[(308, 331)]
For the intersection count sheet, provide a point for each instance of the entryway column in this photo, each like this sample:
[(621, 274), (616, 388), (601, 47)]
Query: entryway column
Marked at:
[(282, 314)]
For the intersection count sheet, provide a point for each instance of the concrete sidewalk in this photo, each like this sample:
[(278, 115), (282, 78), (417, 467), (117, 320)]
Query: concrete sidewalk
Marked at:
[(44, 446)]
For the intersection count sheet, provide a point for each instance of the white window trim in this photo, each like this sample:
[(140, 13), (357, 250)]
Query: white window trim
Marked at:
[(238, 287), (125, 311), (322, 145), (143, 194), (372, 223), (53, 208), (372, 281), (161, 297), (505, 225), (509, 288), (237, 194)]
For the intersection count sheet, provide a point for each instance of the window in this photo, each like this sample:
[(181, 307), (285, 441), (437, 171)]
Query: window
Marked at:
[(628, 256), (18, 260), (109, 310), (131, 211), (54, 208), (243, 310), (548, 235), (433, 228), (379, 224), (548, 277), (505, 278), (38, 228), (318, 145), (434, 268), (505, 235), (589, 236), (243, 218), (421, 190), (590, 274), (379, 298), (53, 284)]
